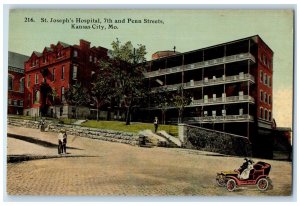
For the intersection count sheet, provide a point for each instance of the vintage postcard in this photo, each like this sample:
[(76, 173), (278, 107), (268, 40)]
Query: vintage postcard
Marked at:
[(150, 103)]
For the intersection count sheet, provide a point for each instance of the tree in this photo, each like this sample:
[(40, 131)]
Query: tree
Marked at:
[(102, 91), (77, 95), (54, 95), (181, 99), (162, 101), (126, 67)]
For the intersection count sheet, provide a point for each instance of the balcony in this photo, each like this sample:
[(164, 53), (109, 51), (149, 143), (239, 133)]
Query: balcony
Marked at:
[(209, 63), (220, 119), (208, 82), (222, 100)]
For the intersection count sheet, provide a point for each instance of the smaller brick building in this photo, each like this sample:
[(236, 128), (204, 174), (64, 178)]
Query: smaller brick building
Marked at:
[(15, 82)]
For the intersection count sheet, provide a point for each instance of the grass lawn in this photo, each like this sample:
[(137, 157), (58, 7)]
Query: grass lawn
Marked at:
[(134, 127)]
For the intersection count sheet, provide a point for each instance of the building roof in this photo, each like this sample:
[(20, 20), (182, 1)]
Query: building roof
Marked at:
[(16, 60), (213, 46), (48, 49), (37, 53), (64, 44)]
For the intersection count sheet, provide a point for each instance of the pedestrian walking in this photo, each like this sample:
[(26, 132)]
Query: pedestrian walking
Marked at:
[(60, 141), (155, 124), (64, 144), (42, 125)]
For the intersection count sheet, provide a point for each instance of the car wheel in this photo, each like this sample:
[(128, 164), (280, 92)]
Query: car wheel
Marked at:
[(221, 181), (262, 184), (231, 185)]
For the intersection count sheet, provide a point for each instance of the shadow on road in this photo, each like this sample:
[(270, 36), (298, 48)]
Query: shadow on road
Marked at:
[(37, 141), (21, 158)]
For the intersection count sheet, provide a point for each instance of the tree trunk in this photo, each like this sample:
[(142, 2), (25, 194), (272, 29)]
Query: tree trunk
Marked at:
[(128, 115), (97, 113)]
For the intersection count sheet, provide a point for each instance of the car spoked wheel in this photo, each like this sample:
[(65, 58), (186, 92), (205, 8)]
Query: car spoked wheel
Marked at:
[(221, 181), (231, 185), (262, 184)]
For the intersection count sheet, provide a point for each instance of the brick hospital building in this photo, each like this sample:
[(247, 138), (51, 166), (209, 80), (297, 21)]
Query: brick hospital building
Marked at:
[(230, 84)]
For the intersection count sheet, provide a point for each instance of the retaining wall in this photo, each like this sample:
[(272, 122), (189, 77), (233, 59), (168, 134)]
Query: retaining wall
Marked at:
[(214, 141), (101, 134)]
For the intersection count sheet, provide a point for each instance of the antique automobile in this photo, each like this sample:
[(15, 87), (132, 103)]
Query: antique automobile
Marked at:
[(248, 174)]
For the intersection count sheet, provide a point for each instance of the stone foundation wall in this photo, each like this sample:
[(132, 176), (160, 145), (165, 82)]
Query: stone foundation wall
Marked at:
[(214, 141), (101, 134)]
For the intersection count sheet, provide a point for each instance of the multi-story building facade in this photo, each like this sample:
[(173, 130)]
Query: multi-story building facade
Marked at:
[(49, 74), (230, 85), (15, 82)]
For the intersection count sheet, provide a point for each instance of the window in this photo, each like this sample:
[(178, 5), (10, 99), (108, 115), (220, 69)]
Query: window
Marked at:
[(21, 103), (62, 94), (265, 79), (10, 83), (269, 82), (261, 113), (33, 62), (22, 85), (269, 99), (266, 114), (62, 72), (74, 73), (265, 59), (15, 102), (261, 76), (28, 80), (9, 101), (261, 96), (91, 58), (95, 59), (36, 79), (265, 97), (75, 54), (53, 74), (58, 54), (37, 97), (270, 116), (44, 59)]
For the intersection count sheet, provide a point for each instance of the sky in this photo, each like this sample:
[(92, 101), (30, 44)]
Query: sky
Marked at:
[(185, 29)]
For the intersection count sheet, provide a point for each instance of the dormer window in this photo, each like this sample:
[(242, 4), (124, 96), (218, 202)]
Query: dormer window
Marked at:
[(33, 63), (44, 59), (58, 54), (75, 54)]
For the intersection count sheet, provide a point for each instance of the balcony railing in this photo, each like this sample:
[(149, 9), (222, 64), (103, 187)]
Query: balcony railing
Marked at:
[(219, 119), (208, 82), (213, 101), (222, 60), (231, 99)]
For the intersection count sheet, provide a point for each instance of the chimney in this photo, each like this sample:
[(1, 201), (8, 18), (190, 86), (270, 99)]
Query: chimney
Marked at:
[(84, 44)]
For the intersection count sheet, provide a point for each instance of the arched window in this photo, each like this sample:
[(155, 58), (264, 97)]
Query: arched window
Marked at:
[(261, 113), (266, 114), (22, 84), (10, 82)]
